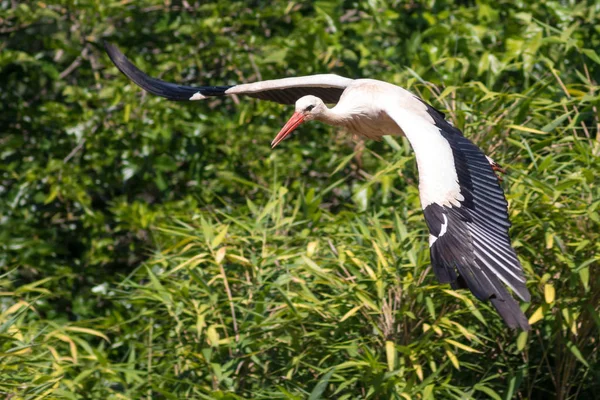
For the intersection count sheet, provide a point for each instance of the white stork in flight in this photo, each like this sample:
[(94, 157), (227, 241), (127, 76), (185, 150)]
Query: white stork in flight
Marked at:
[(463, 203)]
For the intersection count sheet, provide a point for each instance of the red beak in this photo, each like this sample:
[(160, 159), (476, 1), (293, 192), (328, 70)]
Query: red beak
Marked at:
[(294, 122)]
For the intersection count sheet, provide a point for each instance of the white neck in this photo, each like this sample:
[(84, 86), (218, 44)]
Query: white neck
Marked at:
[(331, 117)]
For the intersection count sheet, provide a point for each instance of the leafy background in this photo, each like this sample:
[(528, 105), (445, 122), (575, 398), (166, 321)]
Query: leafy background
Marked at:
[(162, 250)]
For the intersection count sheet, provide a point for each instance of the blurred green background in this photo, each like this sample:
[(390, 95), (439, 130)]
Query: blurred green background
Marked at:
[(151, 249)]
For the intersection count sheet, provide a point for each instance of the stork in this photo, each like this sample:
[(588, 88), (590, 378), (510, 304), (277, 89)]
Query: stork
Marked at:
[(463, 203)]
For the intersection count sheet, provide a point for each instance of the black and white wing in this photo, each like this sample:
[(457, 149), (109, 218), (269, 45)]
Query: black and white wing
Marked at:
[(465, 210), (327, 87)]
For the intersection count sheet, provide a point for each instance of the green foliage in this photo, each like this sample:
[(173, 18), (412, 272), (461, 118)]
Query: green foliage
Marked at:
[(160, 249)]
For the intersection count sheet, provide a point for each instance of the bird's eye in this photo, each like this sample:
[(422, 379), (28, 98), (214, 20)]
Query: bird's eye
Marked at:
[(309, 108)]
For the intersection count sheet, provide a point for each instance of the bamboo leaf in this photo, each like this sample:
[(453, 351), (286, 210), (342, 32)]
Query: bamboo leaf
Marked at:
[(526, 129), (319, 389), (577, 353), (536, 316), (549, 293), (461, 346), (88, 331)]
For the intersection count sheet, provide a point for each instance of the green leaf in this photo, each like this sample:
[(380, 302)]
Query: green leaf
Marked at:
[(575, 351), (522, 340), (591, 54), (489, 391), (320, 387)]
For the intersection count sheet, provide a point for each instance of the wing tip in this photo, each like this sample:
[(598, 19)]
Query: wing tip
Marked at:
[(511, 313), (127, 68), (171, 91), (116, 56), (524, 294)]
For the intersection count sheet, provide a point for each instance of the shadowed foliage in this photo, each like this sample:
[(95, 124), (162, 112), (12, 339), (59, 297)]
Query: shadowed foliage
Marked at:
[(158, 249)]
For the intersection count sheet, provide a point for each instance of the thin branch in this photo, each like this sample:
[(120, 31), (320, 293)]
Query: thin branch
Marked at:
[(76, 63), (596, 115), (75, 150), (230, 297), (564, 88)]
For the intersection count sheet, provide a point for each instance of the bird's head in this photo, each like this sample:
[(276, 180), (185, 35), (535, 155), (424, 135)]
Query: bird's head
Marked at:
[(307, 109), (310, 106)]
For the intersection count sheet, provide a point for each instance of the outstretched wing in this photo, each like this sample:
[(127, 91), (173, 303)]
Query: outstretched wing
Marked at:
[(465, 210), (327, 87)]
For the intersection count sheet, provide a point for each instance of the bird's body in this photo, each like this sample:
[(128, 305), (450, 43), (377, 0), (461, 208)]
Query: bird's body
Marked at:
[(366, 118), (463, 203)]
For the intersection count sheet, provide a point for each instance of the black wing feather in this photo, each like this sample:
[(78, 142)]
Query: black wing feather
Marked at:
[(291, 95), (173, 91), (474, 251)]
